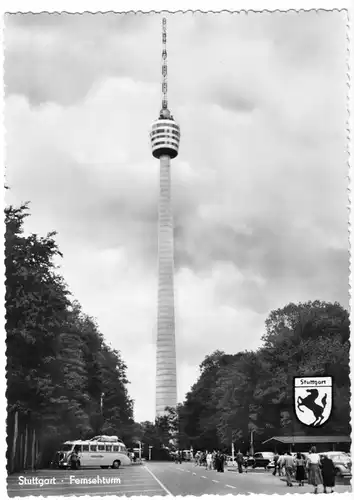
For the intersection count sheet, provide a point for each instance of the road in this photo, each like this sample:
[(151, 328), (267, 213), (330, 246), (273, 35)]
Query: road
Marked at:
[(151, 479)]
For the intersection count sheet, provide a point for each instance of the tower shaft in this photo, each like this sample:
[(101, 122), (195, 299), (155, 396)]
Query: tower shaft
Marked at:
[(166, 382)]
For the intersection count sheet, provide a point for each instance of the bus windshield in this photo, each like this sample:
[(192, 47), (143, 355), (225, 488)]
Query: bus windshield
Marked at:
[(66, 447)]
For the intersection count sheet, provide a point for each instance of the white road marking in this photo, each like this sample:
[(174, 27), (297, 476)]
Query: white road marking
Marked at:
[(194, 473), (215, 481), (229, 486), (203, 477), (158, 481)]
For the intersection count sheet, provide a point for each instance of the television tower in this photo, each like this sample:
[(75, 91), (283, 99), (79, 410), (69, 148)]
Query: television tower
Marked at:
[(165, 136)]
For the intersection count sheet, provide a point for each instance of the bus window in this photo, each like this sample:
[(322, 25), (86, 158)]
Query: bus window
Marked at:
[(93, 447), (108, 447), (101, 447), (115, 448), (77, 448), (85, 447)]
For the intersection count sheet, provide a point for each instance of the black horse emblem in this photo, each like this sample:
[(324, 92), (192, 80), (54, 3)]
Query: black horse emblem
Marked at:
[(309, 402)]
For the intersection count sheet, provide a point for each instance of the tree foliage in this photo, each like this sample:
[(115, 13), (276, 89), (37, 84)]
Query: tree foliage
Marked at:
[(62, 378), (252, 392)]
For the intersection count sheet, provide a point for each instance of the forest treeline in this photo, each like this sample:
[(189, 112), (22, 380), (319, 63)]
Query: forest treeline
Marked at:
[(65, 382), (252, 391)]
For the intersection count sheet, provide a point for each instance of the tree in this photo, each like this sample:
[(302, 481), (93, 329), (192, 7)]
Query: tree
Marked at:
[(59, 366), (253, 391), (36, 309), (308, 339)]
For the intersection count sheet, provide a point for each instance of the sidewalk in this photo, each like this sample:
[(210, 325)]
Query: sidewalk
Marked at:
[(341, 485)]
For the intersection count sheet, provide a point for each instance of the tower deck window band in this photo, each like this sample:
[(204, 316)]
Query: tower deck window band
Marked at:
[(164, 131), (165, 137)]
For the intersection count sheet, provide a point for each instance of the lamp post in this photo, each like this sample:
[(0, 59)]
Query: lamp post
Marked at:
[(101, 417), (251, 444), (179, 428), (101, 403)]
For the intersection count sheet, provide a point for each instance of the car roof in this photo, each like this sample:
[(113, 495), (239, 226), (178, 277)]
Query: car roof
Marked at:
[(333, 453)]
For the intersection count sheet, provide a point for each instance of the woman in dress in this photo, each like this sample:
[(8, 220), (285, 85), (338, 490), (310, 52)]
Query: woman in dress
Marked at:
[(328, 473), (217, 462), (209, 460), (313, 465), (300, 469)]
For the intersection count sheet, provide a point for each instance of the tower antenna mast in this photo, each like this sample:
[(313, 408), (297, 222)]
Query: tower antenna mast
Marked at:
[(164, 64)]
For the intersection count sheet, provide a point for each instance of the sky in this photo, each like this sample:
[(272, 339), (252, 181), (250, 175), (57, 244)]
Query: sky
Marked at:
[(259, 187)]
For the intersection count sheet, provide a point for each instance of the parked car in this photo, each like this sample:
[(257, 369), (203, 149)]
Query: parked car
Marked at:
[(261, 459), (342, 462)]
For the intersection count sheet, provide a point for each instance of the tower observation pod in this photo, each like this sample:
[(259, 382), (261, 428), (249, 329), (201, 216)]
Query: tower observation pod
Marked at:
[(165, 132), (165, 137)]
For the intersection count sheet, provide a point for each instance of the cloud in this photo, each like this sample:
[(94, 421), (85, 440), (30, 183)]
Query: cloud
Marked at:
[(259, 187)]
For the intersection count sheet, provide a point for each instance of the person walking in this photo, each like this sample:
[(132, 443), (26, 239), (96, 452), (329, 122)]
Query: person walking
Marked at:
[(214, 454), (222, 462), (328, 473), (289, 466), (209, 460), (276, 458), (217, 462), (239, 460), (300, 469), (281, 464), (246, 461), (313, 466)]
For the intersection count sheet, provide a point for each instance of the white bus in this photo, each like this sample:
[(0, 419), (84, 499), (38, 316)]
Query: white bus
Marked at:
[(100, 451)]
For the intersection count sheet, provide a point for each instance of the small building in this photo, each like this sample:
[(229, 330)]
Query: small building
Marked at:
[(304, 443)]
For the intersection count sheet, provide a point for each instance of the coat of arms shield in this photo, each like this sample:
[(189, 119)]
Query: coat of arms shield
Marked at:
[(313, 400)]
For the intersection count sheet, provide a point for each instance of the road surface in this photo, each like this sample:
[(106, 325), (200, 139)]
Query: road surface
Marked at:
[(151, 479)]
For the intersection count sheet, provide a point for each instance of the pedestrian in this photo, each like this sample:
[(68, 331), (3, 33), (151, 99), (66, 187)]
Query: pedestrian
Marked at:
[(276, 458), (222, 462), (217, 462), (300, 469), (246, 461), (239, 460), (289, 466), (209, 460), (74, 460), (280, 464), (313, 466), (328, 473)]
